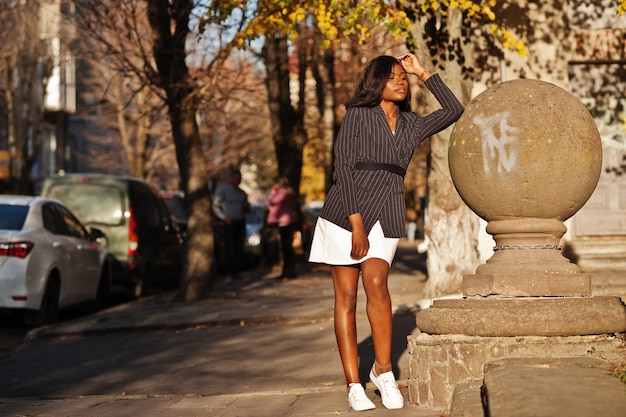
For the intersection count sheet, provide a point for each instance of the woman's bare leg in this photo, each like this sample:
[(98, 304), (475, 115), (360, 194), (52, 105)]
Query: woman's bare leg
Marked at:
[(345, 283), (375, 274)]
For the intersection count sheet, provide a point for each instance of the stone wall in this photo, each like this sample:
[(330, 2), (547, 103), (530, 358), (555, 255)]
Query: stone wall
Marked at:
[(437, 363)]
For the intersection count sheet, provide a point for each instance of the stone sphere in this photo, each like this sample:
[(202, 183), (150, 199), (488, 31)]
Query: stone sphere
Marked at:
[(525, 149)]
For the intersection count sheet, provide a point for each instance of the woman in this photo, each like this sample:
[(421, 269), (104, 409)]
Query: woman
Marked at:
[(363, 217), (283, 213)]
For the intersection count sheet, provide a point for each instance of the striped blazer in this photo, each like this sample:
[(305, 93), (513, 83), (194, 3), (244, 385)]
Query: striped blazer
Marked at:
[(365, 136)]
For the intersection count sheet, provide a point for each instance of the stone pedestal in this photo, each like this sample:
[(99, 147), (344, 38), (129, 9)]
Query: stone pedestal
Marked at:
[(558, 316), (528, 262), (525, 156), (438, 363)]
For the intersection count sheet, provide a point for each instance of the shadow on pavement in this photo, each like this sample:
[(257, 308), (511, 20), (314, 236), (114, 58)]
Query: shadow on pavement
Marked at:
[(403, 325)]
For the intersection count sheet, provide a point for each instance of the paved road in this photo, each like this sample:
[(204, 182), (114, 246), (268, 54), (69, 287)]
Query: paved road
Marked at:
[(11, 336), (12, 331)]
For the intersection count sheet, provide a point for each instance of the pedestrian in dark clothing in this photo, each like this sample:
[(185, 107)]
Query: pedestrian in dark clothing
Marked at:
[(230, 205)]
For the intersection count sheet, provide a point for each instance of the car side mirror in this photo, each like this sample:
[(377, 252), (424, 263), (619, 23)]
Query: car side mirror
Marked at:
[(95, 234)]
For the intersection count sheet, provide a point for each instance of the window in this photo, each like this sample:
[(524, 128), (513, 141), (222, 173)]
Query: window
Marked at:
[(92, 203), (52, 220), (72, 224), (12, 217)]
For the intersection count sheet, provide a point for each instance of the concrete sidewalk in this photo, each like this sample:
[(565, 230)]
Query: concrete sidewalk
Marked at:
[(256, 299), (301, 403)]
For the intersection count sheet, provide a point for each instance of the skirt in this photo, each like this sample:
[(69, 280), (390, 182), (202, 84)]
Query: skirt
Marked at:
[(332, 245)]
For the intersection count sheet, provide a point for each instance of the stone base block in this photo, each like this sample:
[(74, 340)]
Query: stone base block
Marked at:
[(581, 387), (528, 285), (558, 316), (438, 363)]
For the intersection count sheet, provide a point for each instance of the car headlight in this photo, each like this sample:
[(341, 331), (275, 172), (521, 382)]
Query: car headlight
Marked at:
[(254, 239)]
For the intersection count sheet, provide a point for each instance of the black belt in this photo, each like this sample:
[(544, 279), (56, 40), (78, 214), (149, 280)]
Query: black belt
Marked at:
[(371, 166)]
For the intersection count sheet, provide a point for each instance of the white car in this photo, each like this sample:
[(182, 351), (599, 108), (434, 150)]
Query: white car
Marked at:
[(48, 260)]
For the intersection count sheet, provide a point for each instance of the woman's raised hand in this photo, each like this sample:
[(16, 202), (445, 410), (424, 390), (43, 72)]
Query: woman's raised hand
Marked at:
[(410, 63)]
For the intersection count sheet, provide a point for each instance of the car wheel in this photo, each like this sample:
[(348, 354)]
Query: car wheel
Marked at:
[(154, 281), (145, 286), (103, 294), (137, 289), (48, 313)]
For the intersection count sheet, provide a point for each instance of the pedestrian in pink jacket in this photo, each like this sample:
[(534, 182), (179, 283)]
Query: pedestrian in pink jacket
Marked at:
[(284, 214)]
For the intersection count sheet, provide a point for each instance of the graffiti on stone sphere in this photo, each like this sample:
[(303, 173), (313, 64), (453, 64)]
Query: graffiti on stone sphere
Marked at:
[(498, 142)]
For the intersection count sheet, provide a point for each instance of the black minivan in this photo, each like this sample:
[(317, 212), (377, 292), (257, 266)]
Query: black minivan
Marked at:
[(143, 244)]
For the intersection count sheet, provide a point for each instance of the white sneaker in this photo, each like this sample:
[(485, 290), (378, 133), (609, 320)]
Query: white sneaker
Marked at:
[(358, 400), (389, 392)]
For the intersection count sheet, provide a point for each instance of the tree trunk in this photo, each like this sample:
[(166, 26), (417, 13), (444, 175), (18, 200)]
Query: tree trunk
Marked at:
[(24, 81), (143, 131), (450, 226), (325, 80), (197, 278), (170, 27), (120, 112), (11, 134), (287, 123), (33, 80)]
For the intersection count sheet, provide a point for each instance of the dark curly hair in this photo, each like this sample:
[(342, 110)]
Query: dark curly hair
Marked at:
[(372, 81)]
